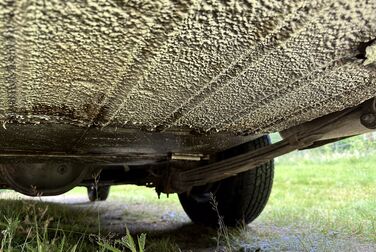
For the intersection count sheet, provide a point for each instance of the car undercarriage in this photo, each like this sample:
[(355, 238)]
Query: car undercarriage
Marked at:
[(178, 95)]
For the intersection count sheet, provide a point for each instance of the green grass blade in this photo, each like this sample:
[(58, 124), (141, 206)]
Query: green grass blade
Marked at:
[(141, 242)]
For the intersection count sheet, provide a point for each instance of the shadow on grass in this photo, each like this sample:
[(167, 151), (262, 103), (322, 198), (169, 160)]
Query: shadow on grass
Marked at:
[(86, 223), (107, 220)]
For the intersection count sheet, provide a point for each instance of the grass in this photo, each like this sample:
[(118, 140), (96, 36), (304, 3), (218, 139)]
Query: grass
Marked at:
[(314, 206), (35, 226), (337, 195)]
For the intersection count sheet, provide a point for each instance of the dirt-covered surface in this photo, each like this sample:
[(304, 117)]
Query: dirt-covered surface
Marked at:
[(171, 223), (237, 65)]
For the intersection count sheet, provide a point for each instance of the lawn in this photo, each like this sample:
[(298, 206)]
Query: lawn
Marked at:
[(336, 195), (315, 205)]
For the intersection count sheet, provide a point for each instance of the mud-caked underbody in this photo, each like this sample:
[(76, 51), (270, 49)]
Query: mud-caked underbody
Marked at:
[(178, 95)]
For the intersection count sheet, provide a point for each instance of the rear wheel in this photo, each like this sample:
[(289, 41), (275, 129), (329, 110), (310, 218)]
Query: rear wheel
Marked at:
[(240, 199), (98, 193)]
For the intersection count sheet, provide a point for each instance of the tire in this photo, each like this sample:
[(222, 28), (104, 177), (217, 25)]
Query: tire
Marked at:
[(98, 193), (240, 199)]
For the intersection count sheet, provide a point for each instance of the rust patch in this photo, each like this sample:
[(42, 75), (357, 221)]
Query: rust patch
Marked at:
[(84, 112), (49, 110), (101, 116)]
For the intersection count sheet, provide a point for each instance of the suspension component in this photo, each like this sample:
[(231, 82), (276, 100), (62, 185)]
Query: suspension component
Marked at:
[(345, 123)]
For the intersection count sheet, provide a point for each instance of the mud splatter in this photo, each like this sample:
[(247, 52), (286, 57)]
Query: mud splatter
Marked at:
[(208, 65)]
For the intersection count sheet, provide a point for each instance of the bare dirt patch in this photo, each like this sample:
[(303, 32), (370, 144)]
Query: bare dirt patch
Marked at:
[(159, 222)]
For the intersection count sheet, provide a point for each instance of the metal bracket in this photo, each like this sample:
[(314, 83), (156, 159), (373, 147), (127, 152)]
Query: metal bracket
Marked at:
[(188, 156)]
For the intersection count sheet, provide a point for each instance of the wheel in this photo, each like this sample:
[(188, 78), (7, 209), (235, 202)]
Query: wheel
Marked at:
[(240, 199), (96, 193)]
